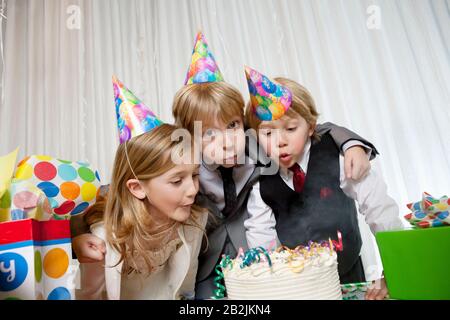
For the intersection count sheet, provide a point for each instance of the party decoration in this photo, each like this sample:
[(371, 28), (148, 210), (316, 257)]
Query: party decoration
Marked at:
[(429, 212), (203, 67), (254, 255), (219, 293), (355, 291), (270, 100), (70, 187), (133, 117), (24, 200), (35, 260), (6, 170)]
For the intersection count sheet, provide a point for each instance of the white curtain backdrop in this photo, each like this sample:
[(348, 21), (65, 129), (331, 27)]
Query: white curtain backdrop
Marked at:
[(378, 67)]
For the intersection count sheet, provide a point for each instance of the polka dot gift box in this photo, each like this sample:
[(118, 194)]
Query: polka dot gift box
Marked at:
[(70, 186), (35, 260)]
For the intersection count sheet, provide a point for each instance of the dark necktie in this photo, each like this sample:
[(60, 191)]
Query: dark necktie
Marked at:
[(229, 189), (299, 177)]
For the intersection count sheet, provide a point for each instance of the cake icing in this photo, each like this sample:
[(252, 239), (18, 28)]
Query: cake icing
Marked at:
[(304, 273)]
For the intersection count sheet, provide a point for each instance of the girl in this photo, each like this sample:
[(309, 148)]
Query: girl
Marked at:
[(152, 227)]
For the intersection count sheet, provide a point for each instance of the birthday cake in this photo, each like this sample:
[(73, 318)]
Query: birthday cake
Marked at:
[(305, 273)]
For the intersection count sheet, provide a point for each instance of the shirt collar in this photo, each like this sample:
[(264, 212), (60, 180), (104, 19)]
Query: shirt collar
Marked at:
[(302, 162)]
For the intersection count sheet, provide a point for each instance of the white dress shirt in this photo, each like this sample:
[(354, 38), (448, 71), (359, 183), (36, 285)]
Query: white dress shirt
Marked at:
[(380, 211), (211, 183)]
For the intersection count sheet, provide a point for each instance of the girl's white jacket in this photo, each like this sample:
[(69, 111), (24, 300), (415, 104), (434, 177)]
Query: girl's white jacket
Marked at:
[(102, 280)]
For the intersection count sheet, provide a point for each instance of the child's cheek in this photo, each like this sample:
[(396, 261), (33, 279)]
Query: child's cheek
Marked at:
[(299, 147), (208, 151)]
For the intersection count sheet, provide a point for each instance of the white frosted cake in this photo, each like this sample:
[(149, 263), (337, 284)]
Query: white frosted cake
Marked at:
[(310, 274)]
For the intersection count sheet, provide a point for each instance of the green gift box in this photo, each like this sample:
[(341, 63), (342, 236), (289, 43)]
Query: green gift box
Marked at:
[(416, 263)]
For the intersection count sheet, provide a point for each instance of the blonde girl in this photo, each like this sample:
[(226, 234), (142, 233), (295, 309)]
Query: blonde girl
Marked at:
[(150, 223)]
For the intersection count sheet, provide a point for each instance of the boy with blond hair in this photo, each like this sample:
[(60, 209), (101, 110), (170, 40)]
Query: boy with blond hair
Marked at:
[(310, 198)]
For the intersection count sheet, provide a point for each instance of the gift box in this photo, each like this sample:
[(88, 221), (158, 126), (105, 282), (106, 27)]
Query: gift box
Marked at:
[(35, 260), (415, 263), (36, 203), (71, 187)]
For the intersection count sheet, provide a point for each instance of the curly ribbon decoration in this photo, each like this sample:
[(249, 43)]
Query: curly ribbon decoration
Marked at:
[(299, 250), (295, 268), (284, 248), (219, 293), (253, 255), (338, 245)]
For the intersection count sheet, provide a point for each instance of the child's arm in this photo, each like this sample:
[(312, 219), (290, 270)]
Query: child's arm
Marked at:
[(379, 210), (93, 285), (260, 225), (377, 291), (353, 147), (345, 138), (88, 248), (357, 163), (78, 225)]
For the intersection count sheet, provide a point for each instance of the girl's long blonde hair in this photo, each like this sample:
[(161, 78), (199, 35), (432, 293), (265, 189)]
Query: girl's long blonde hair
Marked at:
[(128, 224)]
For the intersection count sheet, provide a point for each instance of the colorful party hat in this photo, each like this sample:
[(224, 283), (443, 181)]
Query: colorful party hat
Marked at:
[(133, 117), (203, 67), (270, 100)]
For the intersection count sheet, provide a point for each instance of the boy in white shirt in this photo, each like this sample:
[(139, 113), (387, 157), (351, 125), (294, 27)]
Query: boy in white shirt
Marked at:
[(310, 198)]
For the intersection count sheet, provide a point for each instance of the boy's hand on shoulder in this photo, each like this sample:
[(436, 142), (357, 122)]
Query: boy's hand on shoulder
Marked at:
[(89, 248), (377, 291), (356, 163)]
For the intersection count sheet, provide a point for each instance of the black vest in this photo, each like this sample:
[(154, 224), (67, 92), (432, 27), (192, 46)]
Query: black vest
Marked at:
[(320, 210)]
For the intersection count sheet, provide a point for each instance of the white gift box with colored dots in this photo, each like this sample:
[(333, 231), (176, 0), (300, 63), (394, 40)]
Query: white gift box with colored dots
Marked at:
[(35, 260)]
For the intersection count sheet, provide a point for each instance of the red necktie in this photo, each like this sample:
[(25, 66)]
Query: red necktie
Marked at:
[(299, 177)]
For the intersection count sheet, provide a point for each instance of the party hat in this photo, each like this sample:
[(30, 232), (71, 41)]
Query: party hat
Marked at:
[(203, 67), (133, 117), (269, 99), (7, 164)]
